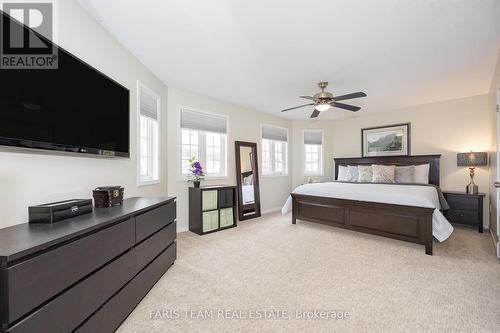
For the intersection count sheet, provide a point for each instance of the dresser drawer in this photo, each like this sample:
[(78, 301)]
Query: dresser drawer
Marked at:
[(32, 282), (152, 221), (151, 247), (116, 310), (67, 311), (463, 216), (462, 202)]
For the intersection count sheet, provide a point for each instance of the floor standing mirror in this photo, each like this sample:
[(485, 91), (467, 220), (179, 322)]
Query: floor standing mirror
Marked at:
[(247, 180)]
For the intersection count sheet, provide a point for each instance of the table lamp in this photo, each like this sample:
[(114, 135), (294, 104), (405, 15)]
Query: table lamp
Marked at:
[(472, 160)]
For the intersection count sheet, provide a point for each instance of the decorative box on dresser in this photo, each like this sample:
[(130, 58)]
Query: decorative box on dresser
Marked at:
[(212, 208), (85, 274), (465, 208)]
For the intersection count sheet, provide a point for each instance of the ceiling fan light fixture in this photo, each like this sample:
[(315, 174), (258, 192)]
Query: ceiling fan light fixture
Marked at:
[(323, 107), (325, 100)]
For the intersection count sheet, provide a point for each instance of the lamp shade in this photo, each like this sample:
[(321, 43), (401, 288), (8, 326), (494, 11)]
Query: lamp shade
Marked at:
[(472, 159)]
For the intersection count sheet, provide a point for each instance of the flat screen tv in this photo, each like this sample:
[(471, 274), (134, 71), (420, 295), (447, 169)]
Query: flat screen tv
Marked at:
[(73, 108)]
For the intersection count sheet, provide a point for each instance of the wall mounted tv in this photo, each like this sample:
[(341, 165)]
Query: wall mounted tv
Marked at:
[(73, 108)]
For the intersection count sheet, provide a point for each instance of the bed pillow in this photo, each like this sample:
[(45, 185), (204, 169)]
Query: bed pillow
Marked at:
[(405, 174), (342, 175), (352, 173), (365, 173), (421, 174), (383, 173)]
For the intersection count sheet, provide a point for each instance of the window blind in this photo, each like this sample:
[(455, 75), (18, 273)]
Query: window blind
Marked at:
[(203, 121), (312, 137), (274, 133), (148, 104)]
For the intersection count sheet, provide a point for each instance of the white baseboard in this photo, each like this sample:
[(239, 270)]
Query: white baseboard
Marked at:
[(182, 228), (267, 211), (495, 244), (271, 210)]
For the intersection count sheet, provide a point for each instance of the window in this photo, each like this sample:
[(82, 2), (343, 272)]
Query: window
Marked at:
[(313, 152), (204, 137), (190, 148), (214, 152), (148, 155), (274, 150), (266, 156)]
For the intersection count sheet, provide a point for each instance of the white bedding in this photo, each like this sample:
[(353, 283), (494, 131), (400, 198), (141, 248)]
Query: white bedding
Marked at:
[(248, 194), (410, 195)]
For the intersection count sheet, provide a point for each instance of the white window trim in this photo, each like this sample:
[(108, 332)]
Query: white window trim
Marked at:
[(184, 178), (322, 153), (141, 86), (287, 155)]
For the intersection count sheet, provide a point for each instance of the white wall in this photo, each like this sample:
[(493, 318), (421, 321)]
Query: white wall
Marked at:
[(445, 128), (244, 125), (29, 179), (298, 128)]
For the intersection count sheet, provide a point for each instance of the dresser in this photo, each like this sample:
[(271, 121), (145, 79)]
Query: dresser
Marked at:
[(212, 208), (465, 208), (85, 274)]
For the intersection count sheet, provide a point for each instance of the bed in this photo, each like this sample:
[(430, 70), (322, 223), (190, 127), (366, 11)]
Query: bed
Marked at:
[(404, 212)]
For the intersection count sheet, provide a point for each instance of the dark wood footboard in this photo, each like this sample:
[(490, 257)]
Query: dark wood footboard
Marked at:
[(407, 223)]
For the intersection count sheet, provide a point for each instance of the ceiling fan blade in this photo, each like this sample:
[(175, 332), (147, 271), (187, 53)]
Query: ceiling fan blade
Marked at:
[(315, 113), (296, 107), (349, 96), (346, 106), (307, 97)]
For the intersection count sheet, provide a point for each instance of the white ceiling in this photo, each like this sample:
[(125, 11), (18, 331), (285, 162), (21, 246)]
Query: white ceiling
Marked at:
[(264, 54)]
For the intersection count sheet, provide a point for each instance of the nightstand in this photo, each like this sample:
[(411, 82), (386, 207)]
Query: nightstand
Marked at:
[(465, 208)]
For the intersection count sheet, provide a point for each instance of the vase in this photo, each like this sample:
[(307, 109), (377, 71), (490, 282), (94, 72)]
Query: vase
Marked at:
[(196, 183)]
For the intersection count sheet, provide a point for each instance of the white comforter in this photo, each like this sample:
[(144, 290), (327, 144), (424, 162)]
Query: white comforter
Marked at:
[(410, 195), (248, 194)]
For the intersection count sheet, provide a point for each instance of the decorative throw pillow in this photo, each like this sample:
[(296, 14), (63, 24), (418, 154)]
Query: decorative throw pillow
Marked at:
[(365, 173), (405, 174), (383, 173), (352, 173), (342, 175), (422, 174)]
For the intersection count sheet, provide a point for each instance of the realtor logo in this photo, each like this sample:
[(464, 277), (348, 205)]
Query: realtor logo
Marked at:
[(27, 35)]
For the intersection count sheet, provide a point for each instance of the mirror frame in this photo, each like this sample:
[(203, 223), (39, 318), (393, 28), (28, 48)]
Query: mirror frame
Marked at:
[(238, 145)]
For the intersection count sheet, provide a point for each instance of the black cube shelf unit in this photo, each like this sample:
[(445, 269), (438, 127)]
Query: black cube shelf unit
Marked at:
[(212, 208)]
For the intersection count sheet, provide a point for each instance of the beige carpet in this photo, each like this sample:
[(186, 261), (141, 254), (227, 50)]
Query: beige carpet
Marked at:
[(269, 264)]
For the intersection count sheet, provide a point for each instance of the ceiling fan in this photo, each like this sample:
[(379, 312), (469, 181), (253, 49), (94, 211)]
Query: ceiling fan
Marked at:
[(324, 100)]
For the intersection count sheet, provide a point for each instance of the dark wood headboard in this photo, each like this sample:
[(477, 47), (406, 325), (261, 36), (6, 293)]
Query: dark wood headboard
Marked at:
[(433, 160)]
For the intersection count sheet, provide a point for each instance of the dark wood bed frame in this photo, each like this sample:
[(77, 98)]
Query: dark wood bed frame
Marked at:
[(407, 223)]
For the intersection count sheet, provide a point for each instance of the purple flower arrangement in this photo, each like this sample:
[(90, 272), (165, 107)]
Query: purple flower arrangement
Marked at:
[(197, 173)]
